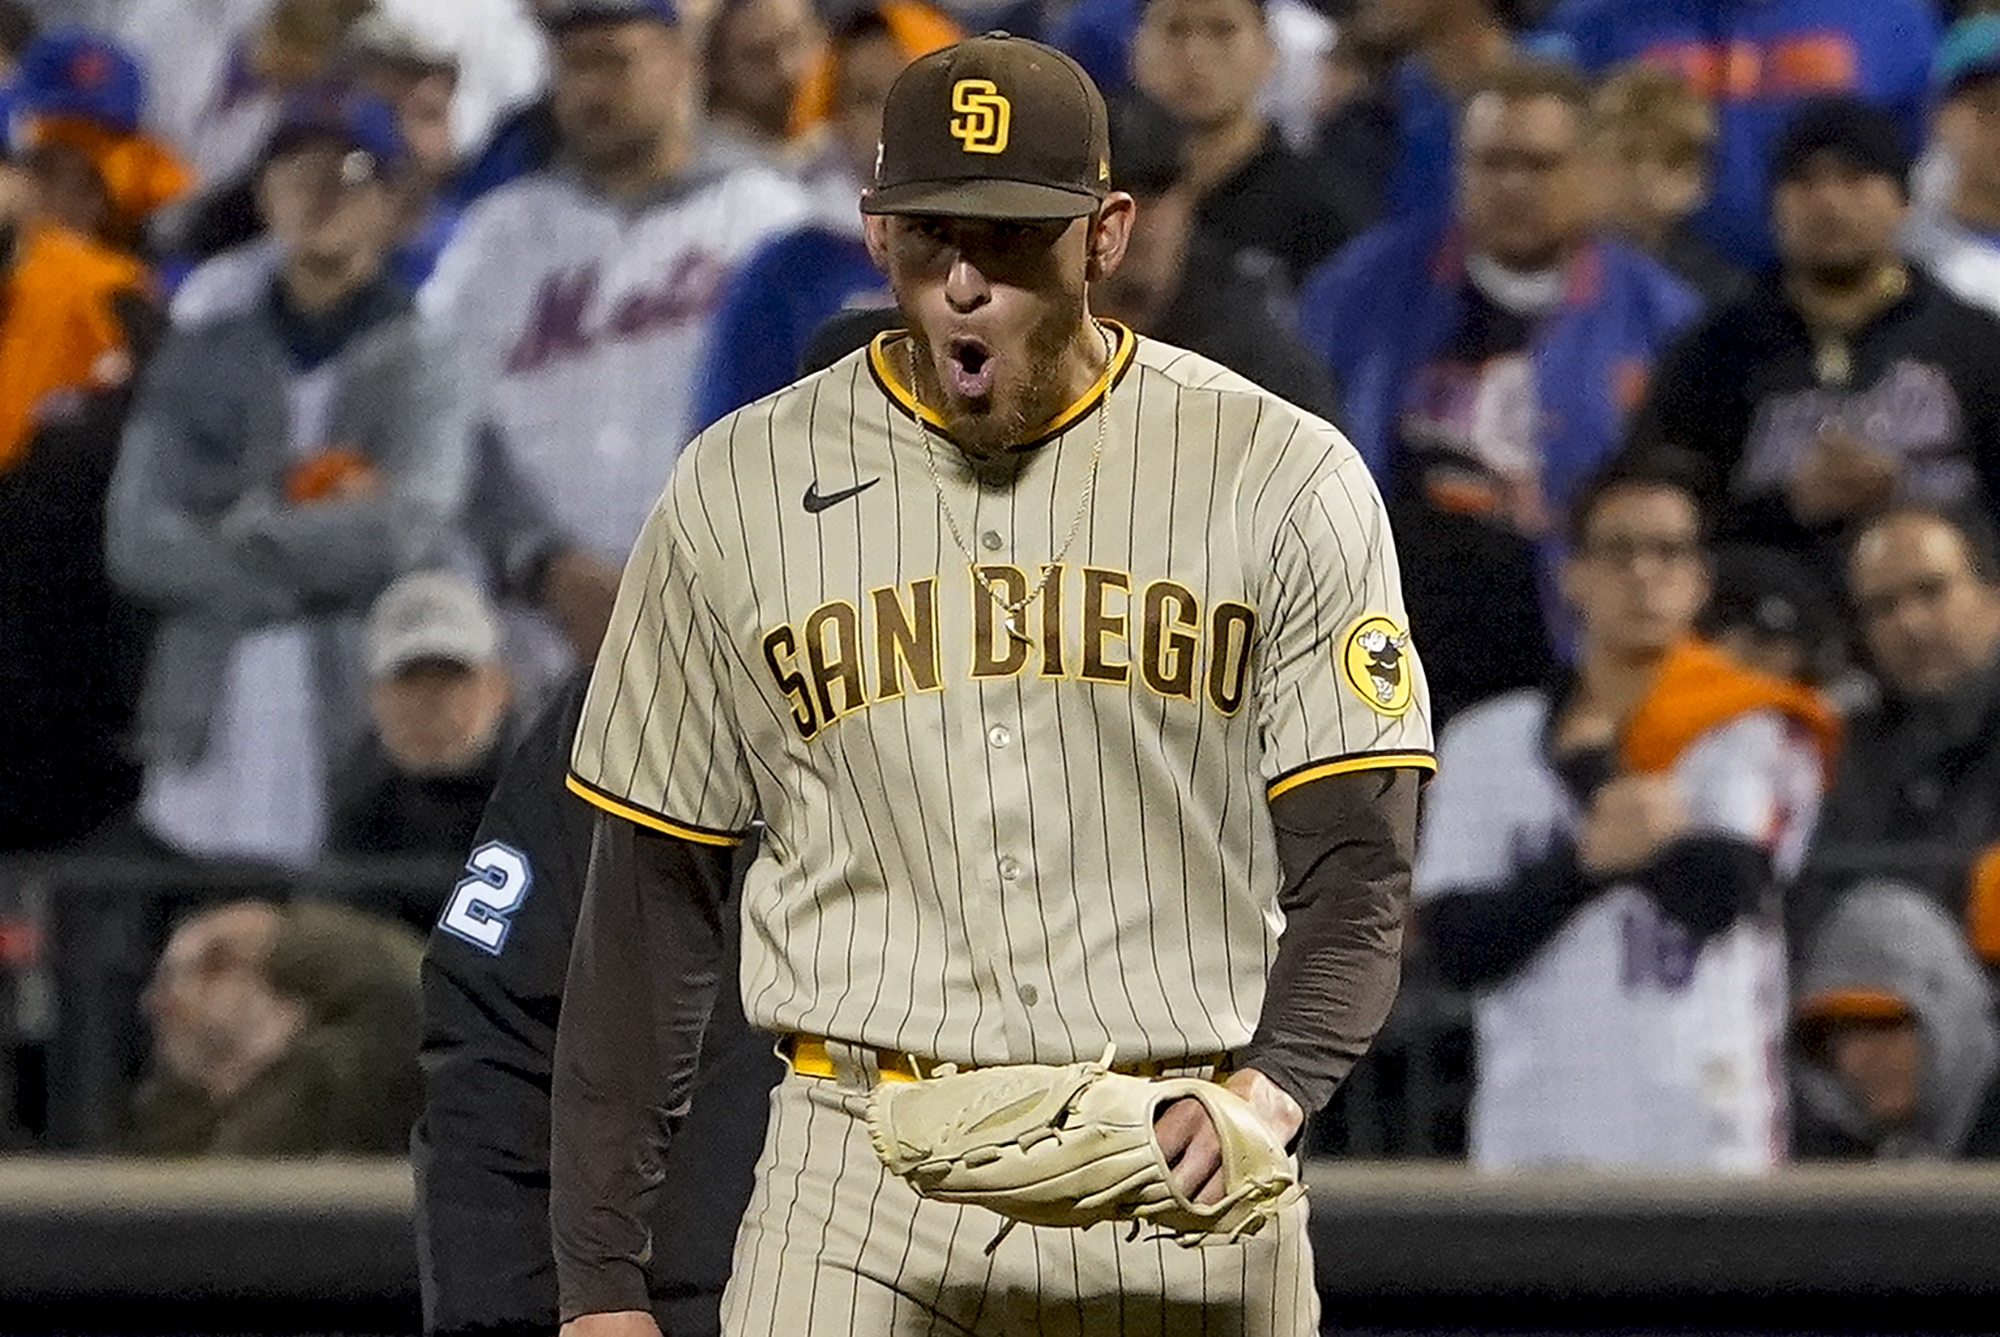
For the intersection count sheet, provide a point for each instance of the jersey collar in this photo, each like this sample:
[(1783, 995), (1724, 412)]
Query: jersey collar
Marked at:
[(1124, 342)]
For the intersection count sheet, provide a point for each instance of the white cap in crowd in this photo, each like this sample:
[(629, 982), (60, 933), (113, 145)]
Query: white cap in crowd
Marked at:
[(431, 615)]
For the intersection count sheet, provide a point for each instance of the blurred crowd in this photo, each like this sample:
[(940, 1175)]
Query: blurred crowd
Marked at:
[(345, 345)]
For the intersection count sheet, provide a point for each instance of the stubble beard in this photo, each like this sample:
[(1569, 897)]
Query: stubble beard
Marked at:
[(1024, 398)]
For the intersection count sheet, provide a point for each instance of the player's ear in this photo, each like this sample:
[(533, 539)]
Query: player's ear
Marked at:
[(875, 233), (1110, 230)]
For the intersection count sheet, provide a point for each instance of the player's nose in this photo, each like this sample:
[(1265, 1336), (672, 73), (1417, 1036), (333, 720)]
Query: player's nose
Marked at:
[(965, 286)]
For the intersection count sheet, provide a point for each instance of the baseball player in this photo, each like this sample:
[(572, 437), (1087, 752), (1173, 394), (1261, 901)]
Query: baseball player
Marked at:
[(581, 297), (1601, 861), (1067, 674)]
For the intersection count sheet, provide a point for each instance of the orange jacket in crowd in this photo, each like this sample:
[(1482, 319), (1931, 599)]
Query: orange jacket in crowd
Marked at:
[(60, 335)]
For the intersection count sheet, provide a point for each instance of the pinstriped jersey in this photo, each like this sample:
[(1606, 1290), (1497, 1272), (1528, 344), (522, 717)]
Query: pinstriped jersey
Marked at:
[(994, 845)]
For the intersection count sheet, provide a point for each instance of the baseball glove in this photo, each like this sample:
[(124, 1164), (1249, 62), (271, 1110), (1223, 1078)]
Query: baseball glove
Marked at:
[(1074, 1145)]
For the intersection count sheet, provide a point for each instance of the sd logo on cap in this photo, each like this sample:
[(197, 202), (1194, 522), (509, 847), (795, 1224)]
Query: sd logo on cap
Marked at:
[(992, 127)]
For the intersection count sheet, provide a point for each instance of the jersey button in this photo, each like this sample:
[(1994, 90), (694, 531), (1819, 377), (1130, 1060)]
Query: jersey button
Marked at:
[(990, 540), (1030, 995), (1010, 868), (998, 735)]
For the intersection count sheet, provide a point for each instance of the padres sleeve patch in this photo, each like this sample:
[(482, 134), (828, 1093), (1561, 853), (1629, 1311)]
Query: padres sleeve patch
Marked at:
[(1374, 663)]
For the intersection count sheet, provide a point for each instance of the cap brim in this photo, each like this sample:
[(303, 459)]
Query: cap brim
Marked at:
[(1017, 201)]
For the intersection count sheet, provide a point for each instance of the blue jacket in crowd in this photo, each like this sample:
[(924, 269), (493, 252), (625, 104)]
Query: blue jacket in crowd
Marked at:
[(1591, 355), (1759, 59), (772, 306), (1423, 175)]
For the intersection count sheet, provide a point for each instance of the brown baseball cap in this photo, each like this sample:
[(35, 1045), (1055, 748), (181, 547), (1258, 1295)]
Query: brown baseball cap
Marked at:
[(992, 127)]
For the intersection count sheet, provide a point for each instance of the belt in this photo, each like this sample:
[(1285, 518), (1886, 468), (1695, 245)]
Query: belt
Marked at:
[(810, 1057)]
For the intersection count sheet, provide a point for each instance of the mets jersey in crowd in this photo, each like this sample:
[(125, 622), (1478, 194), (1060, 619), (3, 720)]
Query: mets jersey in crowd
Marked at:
[(584, 320), (1625, 1041)]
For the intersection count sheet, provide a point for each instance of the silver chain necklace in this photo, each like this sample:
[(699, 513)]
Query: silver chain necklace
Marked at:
[(1012, 609)]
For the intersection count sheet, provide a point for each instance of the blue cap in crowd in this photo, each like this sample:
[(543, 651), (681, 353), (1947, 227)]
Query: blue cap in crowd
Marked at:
[(345, 115), (562, 15), (1970, 51), (77, 72)]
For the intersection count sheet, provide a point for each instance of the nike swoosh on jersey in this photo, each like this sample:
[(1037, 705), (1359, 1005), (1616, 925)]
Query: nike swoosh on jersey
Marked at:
[(815, 503)]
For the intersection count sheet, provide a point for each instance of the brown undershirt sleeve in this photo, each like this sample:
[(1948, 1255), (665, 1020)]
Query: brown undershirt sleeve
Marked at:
[(642, 976), (1346, 844)]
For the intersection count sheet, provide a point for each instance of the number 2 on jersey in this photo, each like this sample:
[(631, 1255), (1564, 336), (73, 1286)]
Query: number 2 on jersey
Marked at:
[(479, 908)]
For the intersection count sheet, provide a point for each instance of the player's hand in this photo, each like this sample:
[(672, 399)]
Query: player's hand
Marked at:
[(579, 590), (1841, 475), (1187, 1135), (624, 1323), (1631, 819)]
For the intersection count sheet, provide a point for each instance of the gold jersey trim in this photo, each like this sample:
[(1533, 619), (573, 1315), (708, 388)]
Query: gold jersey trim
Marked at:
[(652, 821), (1360, 761), (1125, 343)]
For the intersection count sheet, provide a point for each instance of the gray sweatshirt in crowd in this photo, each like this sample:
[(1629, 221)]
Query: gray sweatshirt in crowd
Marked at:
[(200, 530)]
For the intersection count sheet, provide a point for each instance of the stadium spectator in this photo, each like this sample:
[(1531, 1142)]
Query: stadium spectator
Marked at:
[(1100, 34), (1179, 285), (1601, 861), (421, 79), (1917, 793), (496, 47), (1204, 61), (1759, 60), (1354, 141), (1957, 238), (1895, 1052), (797, 280), (1486, 371), (76, 100), (759, 55), (1654, 136), (579, 298), (281, 1031), (439, 695), (1774, 614), (1445, 48), (285, 462), (76, 320), (418, 80), (199, 52), (1847, 378), (278, 49)]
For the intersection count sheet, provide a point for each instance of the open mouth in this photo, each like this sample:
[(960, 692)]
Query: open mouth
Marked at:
[(969, 368)]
